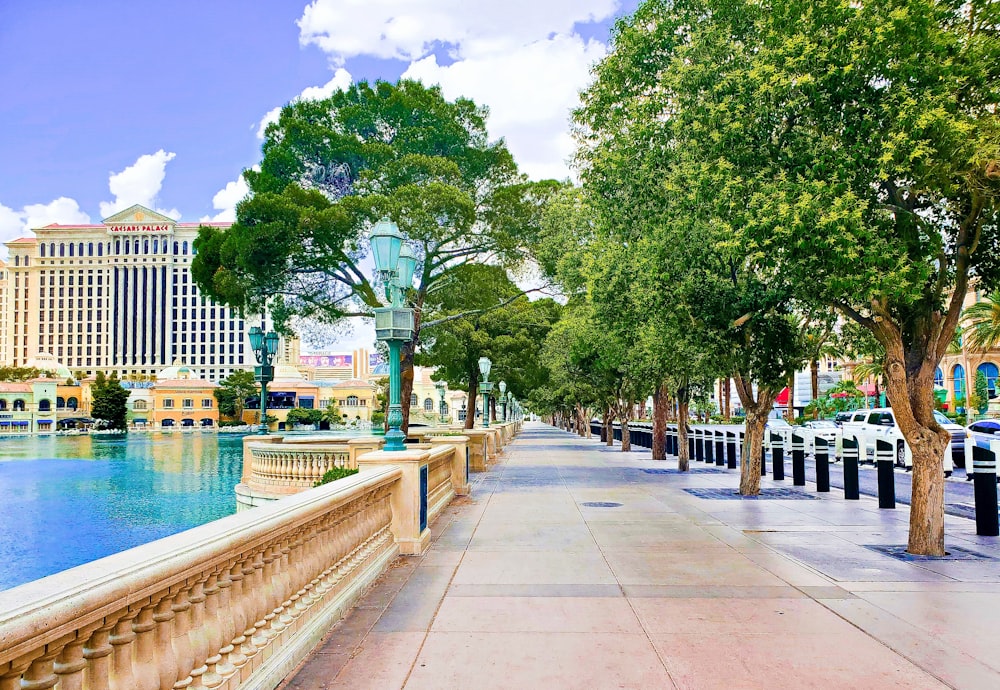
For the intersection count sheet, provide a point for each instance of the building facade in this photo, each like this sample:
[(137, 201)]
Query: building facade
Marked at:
[(116, 296)]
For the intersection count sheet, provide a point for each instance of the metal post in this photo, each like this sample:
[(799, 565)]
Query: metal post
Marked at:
[(670, 441), (699, 446), (263, 406), (731, 450), (394, 437), (691, 446), (984, 465), (822, 465), (763, 456), (720, 449), (884, 458), (798, 460), (777, 457), (850, 452), (707, 439)]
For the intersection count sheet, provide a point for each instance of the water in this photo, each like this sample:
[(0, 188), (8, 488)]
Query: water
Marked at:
[(72, 499)]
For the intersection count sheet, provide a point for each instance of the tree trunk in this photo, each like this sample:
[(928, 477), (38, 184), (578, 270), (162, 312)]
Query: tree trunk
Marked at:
[(753, 441), (912, 397), (814, 382), (470, 405), (626, 435), (661, 402), (609, 428), (727, 393), (683, 457), (406, 382)]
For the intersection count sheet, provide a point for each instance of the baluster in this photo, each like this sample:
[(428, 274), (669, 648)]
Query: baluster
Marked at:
[(196, 631), (227, 627), (237, 614), (96, 651), (211, 632), (295, 575), (40, 674), (249, 598), (144, 666), (260, 636), (181, 641), (70, 664), (121, 640), (272, 587), (166, 661)]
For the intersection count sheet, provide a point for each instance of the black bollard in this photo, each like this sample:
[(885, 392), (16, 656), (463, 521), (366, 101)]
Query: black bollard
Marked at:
[(670, 441), (763, 457), (691, 447), (984, 466), (699, 446), (884, 458), (708, 437), (720, 449), (731, 450), (822, 465), (798, 460), (777, 457), (850, 453)]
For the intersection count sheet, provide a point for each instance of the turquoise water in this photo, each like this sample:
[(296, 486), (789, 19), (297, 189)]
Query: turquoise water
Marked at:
[(72, 499)]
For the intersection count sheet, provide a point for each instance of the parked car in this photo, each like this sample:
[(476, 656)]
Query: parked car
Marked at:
[(868, 426), (984, 431), (842, 417), (777, 425), (823, 428)]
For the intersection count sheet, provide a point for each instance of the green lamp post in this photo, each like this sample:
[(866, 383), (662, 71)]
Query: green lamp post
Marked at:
[(503, 400), (485, 386), (440, 386), (265, 347), (395, 264), (510, 404)]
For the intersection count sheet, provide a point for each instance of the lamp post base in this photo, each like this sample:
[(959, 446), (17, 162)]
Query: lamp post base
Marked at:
[(394, 438)]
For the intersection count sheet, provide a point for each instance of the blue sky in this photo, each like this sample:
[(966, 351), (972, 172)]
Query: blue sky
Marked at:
[(110, 103)]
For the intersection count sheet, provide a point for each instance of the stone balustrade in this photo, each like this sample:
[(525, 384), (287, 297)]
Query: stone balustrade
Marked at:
[(277, 466), (235, 603)]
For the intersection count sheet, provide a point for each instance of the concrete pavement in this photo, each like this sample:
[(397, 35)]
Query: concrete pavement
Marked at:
[(577, 566)]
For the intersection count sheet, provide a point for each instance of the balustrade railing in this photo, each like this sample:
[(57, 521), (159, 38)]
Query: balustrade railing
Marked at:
[(294, 468), (234, 603)]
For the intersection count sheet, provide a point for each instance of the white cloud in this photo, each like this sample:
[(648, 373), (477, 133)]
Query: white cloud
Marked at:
[(139, 183), (409, 31), (14, 223), (521, 58), (225, 200), (341, 80)]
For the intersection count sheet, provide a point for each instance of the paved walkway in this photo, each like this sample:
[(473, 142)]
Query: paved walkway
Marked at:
[(574, 566)]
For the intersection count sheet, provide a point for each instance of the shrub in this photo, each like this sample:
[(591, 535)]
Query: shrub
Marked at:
[(335, 474)]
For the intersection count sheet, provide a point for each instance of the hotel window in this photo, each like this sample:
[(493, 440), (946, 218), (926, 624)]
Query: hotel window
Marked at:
[(206, 403), (168, 404), (188, 403), (42, 249)]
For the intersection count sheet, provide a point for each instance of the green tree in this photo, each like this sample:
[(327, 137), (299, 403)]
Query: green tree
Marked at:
[(333, 167), (852, 151), (468, 326), (981, 397), (109, 402), (233, 392), (19, 374), (299, 415)]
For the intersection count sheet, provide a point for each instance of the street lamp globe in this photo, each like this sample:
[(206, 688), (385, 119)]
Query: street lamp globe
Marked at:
[(484, 367), (386, 240), (271, 341), (256, 338), (406, 266), (503, 388)]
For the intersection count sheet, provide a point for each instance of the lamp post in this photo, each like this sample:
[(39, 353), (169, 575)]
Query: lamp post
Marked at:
[(484, 368), (395, 264), (503, 400), (441, 409), (265, 347), (510, 404)]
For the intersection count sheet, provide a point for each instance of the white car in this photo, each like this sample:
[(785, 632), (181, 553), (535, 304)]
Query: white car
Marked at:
[(868, 426), (821, 428)]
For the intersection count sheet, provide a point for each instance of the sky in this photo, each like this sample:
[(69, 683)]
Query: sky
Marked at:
[(110, 103)]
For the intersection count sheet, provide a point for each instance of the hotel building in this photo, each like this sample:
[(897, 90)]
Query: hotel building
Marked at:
[(116, 296)]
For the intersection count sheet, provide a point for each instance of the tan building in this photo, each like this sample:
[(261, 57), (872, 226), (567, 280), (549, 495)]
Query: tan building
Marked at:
[(28, 407), (179, 399), (116, 296), (957, 371), (339, 366)]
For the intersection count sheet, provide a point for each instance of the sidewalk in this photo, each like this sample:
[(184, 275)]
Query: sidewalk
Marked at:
[(574, 566)]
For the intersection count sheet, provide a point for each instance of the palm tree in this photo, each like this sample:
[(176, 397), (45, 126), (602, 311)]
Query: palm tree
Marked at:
[(982, 324), (870, 370)]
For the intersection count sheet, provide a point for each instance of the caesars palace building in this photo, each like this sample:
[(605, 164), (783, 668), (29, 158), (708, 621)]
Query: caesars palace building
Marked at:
[(116, 296)]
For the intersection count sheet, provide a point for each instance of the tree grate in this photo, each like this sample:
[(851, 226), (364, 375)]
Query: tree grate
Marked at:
[(765, 495), (954, 553)]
